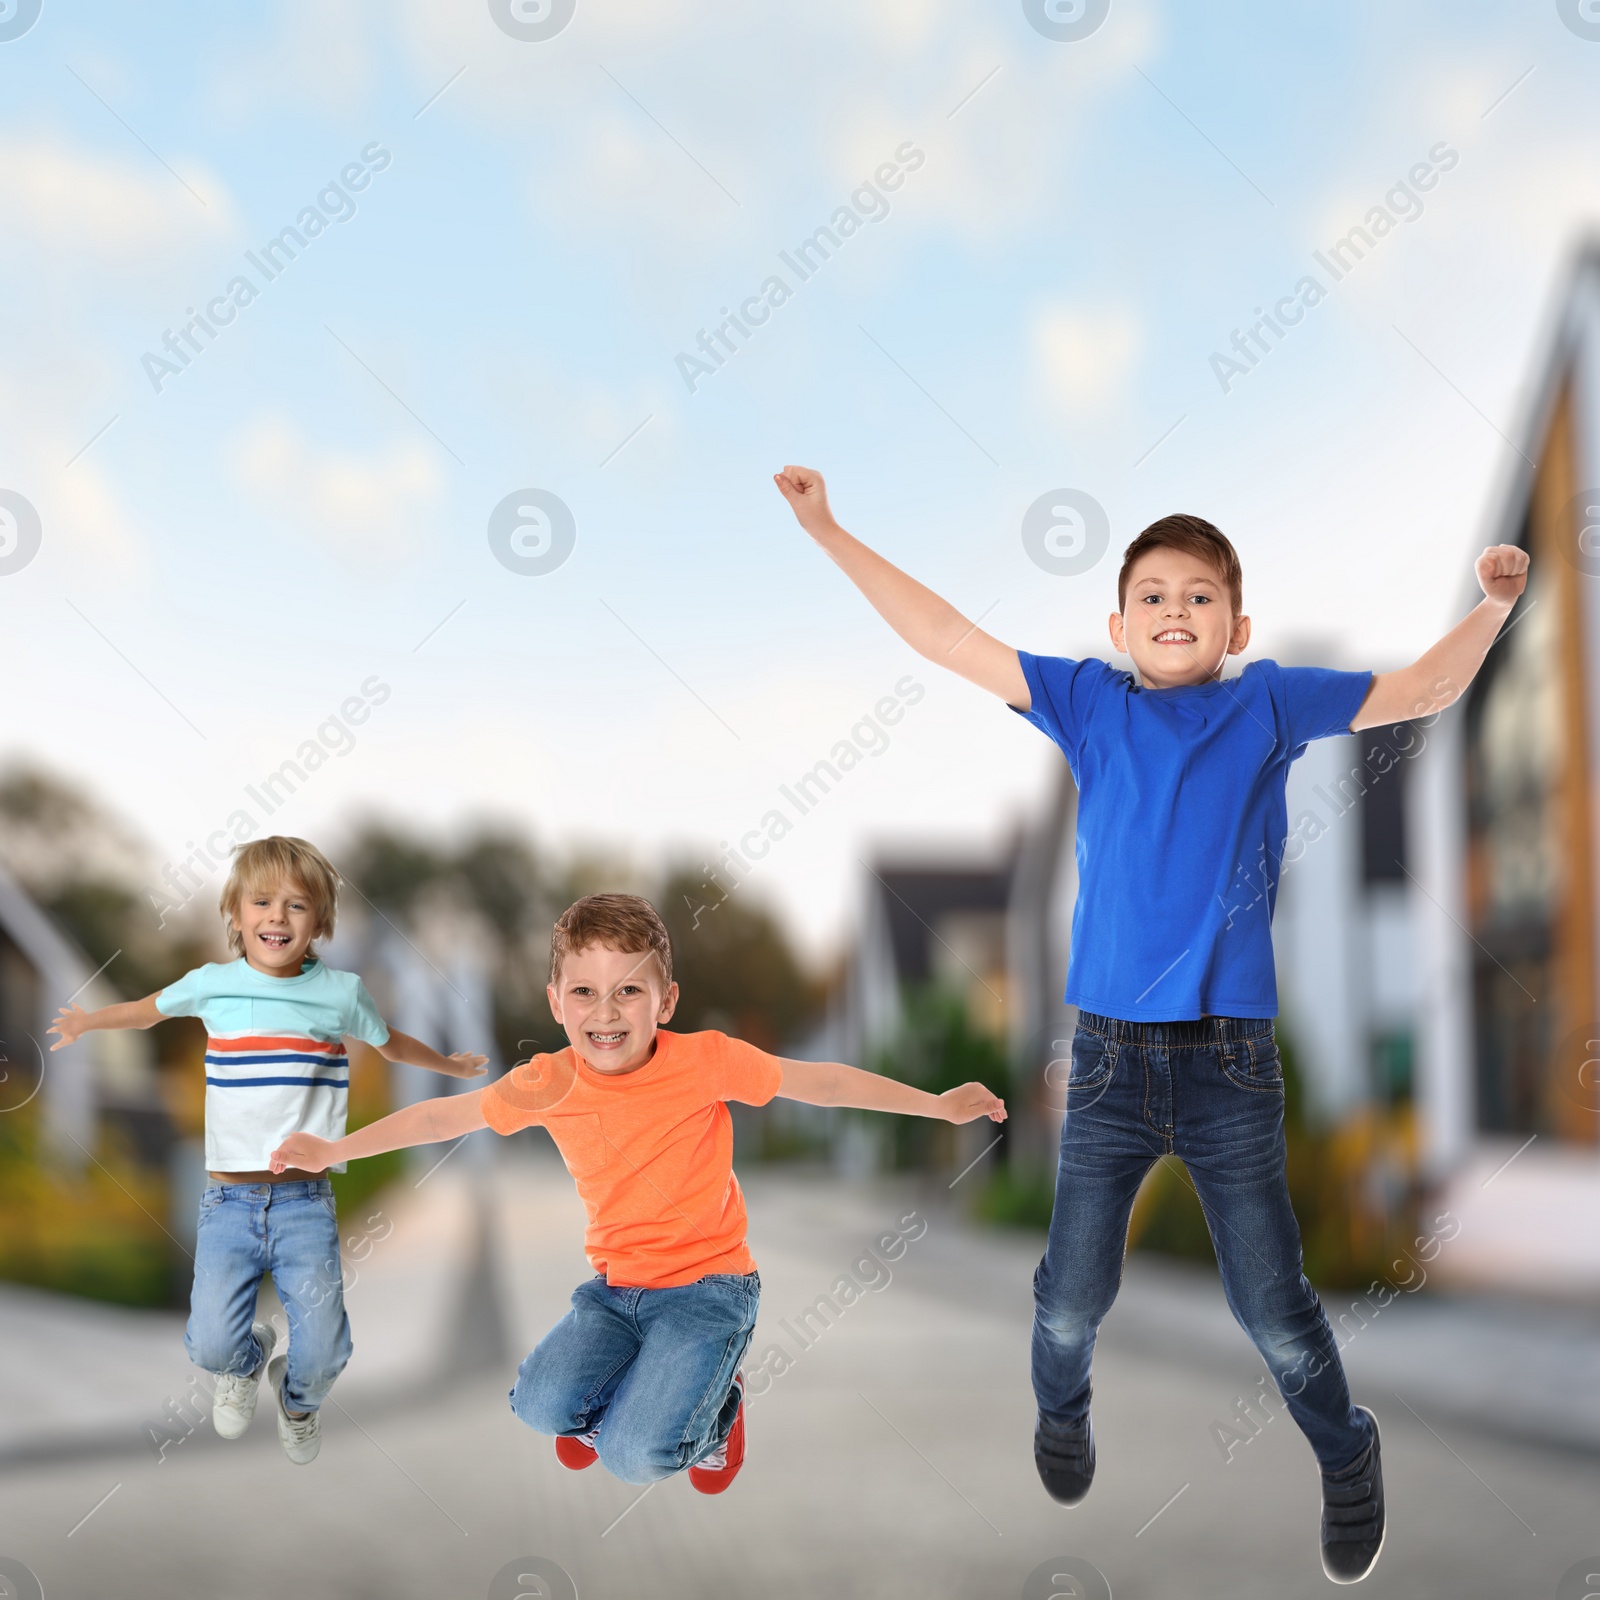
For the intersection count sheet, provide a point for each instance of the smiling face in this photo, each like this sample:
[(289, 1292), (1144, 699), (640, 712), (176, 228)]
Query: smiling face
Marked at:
[(611, 1002), (276, 925), (1179, 625)]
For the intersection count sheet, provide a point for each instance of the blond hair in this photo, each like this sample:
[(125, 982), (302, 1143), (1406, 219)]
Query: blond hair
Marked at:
[(625, 922), (265, 863)]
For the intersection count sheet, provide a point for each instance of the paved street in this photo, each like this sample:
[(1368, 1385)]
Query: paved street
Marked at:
[(889, 1453)]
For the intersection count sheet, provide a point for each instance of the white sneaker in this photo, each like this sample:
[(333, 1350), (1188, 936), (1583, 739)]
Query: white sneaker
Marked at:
[(233, 1400), (301, 1437)]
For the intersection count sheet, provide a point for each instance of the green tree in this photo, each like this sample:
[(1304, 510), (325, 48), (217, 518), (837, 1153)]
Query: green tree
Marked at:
[(84, 868), (734, 965)]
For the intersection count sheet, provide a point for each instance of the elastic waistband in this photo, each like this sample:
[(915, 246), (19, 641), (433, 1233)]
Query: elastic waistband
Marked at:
[(287, 1189), (1195, 1032)]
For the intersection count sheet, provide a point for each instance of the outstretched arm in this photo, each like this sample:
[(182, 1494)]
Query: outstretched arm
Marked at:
[(931, 626), (74, 1021), (427, 1122), (1440, 676), (402, 1047), (831, 1083)]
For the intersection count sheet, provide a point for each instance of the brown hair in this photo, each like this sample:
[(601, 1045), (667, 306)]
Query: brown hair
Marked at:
[(625, 922), (265, 863), (1195, 537)]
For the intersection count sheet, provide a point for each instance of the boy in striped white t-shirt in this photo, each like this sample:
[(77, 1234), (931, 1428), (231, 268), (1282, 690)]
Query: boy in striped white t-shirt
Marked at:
[(276, 1021)]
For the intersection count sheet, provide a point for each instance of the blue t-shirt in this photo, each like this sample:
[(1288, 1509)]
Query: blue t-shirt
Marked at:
[(1182, 824), (275, 1055)]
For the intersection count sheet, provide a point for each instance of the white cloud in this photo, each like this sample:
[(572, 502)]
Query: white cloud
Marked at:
[(901, 25), (366, 506), (74, 201), (82, 507), (1085, 360)]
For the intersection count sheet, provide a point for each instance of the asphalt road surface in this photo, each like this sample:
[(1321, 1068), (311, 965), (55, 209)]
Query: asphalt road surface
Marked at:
[(889, 1455)]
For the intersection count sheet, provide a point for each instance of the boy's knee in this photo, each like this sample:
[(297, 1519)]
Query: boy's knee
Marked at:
[(636, 1460), (531, 1407), (540, 1405), (1064, 1325), (1282, 1312), (1066, 1314)]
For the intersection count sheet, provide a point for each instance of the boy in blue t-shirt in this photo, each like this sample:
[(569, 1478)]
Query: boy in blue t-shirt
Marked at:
[(276, 1020), (1181, 831)]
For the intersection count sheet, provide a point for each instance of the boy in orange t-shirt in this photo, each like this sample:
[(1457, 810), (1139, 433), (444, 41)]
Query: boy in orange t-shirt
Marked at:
[(643, 1372)]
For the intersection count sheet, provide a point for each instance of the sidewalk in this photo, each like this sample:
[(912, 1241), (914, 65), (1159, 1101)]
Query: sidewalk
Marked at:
[(426, 1302), (1520, 1368), (1517, 1368), (80, 1377), (890, 1415)]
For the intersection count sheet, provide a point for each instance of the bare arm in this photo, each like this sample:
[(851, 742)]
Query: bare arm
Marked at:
[(74, 1021), (1440, 676), (427, 1122), (831, 1083), (931, 626), (402, 1047)]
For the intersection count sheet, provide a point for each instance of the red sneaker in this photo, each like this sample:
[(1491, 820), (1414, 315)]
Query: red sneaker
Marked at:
[(713, 1473), (576, 1451)]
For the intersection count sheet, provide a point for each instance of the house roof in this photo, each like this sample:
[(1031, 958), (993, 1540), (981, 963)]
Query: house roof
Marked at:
[(914, 898), (58, 961)]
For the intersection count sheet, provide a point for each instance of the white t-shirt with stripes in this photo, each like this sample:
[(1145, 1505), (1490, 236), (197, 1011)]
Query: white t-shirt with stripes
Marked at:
[(276, 1062)]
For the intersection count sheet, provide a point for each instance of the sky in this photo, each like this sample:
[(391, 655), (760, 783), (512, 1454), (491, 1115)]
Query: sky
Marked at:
[(282, 527)]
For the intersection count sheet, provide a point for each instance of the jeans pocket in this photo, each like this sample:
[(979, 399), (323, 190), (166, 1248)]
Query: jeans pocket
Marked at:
[(1093, 1060), (745, 1282), (1254, 1064)]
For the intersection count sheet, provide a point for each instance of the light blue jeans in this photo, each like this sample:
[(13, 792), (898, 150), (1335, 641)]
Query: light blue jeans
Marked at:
[(653, 1368), (292, 1231)]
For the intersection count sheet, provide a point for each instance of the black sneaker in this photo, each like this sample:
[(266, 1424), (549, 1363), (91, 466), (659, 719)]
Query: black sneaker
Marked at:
[(1352, 1515), (1065, 1459)]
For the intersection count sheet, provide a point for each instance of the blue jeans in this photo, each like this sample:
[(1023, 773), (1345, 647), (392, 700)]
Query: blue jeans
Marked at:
[(1211, 1093), (292, 1231), (653, 1368)]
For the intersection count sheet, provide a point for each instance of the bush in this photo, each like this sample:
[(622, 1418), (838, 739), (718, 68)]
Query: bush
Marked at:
[(96, 1233), (1017, 1197), (102, 1232), (1350, 1226), (936, 1049)]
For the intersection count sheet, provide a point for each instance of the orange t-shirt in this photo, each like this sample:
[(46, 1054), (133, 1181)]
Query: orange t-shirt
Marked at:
[(651, 1151)]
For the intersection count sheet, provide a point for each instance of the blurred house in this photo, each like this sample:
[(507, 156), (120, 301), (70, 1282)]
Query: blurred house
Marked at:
[(105, 1081), (431, 978), (1437, 935), (1505, 812), (995, 933), (1438, 921)]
